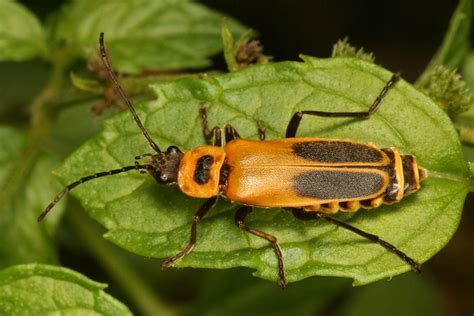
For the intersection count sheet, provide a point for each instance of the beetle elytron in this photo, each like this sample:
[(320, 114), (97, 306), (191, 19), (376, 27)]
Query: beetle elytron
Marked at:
[(312, 177)]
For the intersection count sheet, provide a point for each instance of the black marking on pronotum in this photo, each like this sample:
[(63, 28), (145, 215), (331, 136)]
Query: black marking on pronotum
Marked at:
[(337, 184), (203, 169), (337, 152)]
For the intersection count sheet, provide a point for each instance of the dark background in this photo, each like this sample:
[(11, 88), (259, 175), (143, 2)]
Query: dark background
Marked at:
[(403, 35)]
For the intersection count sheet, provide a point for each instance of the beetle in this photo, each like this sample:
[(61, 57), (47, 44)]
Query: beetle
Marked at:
[(311, 177)]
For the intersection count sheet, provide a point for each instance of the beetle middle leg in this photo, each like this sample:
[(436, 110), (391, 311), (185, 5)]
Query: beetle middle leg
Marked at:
[(305, 215), (231, 133), (262, 131), (202, 211), (240, 216), (294, 123), (215, 134)]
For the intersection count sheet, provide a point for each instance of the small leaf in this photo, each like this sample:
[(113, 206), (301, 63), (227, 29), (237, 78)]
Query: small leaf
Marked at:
[(344, 49), (229, 46), (456, 41), (144, 34), (23, 240), (155, 221), (243, 52), (37, 289), (21, 34), (86, 84)]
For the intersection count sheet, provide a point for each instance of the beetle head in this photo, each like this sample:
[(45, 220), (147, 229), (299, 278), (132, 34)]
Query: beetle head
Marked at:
[(164, 166)]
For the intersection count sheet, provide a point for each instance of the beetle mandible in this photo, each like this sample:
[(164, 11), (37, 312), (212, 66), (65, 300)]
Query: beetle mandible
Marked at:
[(311, 177)]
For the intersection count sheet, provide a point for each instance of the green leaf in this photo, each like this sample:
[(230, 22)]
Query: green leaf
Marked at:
[(23, 240), (145, 34), (239, 294), (456, 40), (408, 295), (37, 289), (21, 34), (154, 220)]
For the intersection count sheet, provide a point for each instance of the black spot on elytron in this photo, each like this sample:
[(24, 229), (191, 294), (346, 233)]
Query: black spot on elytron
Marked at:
[(203, 169), (337, 184), (337, 151)]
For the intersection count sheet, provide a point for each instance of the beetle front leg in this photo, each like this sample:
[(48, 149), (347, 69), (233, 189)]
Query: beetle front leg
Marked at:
[(305, 215), (206, 207), (215, 134), (240, 216), (294, 123)]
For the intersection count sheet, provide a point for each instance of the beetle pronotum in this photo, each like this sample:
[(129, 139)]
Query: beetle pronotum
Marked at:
[(311, 177)]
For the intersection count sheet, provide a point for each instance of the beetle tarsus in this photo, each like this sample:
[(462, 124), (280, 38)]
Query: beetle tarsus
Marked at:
[(172, 260), (201, 212), (308, 215)]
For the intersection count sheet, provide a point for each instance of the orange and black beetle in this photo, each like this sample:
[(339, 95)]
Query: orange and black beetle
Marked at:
[(311, 177)]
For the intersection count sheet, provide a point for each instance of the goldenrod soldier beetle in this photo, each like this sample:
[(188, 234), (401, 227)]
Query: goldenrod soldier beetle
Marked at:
[(311, 177)]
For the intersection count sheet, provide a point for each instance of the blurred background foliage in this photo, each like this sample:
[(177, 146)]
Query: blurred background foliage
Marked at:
[(402, 35)]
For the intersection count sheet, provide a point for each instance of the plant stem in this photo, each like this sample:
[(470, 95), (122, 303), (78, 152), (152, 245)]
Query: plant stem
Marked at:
[(39, 129), (145, 299)]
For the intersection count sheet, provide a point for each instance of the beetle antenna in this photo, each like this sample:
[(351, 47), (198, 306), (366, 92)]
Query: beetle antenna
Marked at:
[(71, 186), (119, 89)]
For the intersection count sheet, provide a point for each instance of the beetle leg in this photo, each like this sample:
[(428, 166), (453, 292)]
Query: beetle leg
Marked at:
[(240, 216), (215, 134), (305, 215), (262, 131), (208, 205), (230, 133), (296, 118)]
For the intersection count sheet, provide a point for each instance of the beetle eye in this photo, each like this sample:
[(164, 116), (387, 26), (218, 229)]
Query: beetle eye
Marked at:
[(172, 149)]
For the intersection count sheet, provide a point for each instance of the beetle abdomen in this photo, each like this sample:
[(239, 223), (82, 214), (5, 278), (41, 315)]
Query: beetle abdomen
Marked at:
[(308, 173)]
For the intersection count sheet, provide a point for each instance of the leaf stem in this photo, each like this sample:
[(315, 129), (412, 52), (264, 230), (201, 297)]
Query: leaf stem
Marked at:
[(145, 299), (39, 129)]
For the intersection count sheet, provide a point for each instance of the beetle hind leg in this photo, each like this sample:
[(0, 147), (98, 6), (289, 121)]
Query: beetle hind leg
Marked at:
[(240, 216), (305, 215), (202, 211), (294, 123)]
